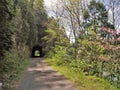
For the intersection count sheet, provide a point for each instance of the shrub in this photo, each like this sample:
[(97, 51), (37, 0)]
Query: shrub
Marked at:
[(13, 64)]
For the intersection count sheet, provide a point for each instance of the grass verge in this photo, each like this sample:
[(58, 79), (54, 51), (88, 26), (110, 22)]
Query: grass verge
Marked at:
[(19, 72), (81, 81), (13, 65)]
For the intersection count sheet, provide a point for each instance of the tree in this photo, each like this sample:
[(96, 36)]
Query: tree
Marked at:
[(6, 15), (97, 16), (41, 21), (19, 21), (112, 7), (55, 35), (29, 22)]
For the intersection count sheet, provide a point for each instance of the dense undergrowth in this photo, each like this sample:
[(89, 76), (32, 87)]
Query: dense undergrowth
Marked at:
[(13, 65), (74, 70)]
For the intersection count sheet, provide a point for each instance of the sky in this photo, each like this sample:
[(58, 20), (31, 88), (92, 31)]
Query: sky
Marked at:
[(49, 4)]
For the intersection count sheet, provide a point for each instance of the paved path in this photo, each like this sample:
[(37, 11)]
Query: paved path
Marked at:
[(40, 76)]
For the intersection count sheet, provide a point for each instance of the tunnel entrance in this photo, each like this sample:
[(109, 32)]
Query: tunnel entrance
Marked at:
[(37, 51)]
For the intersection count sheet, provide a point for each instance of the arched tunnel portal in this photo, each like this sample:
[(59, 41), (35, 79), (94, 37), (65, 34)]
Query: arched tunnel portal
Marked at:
[(37, 51)]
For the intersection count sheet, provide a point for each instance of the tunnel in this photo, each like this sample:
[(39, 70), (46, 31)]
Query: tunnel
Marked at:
[(37, 51)]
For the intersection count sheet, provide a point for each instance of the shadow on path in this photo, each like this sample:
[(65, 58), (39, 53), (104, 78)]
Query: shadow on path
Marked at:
[(40, 76)]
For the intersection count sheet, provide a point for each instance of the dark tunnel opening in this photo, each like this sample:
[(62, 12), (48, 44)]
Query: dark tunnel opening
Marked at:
[(37, 51)]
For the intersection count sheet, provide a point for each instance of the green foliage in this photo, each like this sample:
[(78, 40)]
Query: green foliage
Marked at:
[(51, 35), (90, 53), (6, 14), (98, 12), (57, 54), (55, 35), (25, 22), (28, 24), (92, 57), (12, 66), (92, 60), (97, 16), (41, 18), (79, 79), (19, 28)]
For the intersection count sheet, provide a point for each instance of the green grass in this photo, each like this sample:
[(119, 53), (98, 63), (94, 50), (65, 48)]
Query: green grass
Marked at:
[(19, 72), (22, 68), (81, 81)]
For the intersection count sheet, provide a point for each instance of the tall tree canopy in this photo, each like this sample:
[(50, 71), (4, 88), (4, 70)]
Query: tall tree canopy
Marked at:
[(6, 14), (23, 20)]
